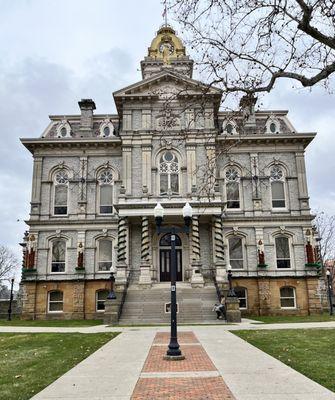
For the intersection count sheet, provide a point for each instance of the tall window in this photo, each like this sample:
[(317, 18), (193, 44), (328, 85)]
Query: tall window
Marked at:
[(105, 181), (58, 256), (287, 297), (233, 188), (169, 174), (235, 252), (105, 257), (61, 182), (283, 252), (241, 294), (101, 296), (55, 301), (277, 187)]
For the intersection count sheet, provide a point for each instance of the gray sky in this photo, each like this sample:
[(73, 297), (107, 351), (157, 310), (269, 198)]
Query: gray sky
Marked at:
[(55, 52)]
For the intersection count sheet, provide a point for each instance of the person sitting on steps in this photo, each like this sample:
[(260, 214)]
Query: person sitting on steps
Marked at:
[(220, 309)]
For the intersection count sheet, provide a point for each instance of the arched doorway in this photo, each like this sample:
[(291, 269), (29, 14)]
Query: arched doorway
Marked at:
[(164, 258)]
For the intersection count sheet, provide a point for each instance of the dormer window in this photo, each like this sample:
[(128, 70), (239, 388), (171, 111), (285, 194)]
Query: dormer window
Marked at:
[(106, 128), (229, 127), (63, 132), (106, 131), (63, 129), (272, 125)]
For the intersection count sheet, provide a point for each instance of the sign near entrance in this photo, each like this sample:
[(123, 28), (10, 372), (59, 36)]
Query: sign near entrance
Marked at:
[(167, 308)]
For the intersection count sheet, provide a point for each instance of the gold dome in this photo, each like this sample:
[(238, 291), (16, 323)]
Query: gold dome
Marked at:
[(166, 45)]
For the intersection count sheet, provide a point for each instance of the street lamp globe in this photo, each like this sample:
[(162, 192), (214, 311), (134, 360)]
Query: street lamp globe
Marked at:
[(328, 272), (158, 214), (112, 269), (187, 214)]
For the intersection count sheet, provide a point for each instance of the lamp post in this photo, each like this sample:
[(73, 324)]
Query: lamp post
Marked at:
[(231, 292), (10, 299), (330, 291), (173, 351), (111, 294)]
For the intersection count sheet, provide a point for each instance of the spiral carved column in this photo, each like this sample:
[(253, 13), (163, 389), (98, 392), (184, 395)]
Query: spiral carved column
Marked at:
[(218, 239), (197, 279), (219, 253), (145, 245), (122, 240), (145, 276), (195, 239)]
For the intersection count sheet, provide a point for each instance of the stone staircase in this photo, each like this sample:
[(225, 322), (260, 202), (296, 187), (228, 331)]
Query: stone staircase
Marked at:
[(147, 305)]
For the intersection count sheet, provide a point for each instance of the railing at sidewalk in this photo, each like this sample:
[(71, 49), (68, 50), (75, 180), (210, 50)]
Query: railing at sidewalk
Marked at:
[(124, 294)]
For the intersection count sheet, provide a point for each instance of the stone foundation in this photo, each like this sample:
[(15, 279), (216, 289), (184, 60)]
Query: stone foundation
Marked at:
[(79, 301)]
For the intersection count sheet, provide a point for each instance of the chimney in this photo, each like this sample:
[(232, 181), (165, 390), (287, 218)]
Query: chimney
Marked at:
[(86, 121), (247, 105)]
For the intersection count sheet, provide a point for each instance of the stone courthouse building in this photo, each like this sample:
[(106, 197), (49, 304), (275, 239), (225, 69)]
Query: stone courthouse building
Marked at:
[(97, 179)]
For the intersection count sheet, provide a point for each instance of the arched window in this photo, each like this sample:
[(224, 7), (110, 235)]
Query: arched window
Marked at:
[(277, 187), (283, 252), (55, 301), (287, 297), (105, 180), (100, 298), (232, 188), (168, 174), (242, 295), (235, 252), (58, 256), (61, 186), (105, 254)]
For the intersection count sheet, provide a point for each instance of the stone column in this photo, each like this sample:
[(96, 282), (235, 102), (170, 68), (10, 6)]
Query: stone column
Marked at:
[(146, 167), (126, 169), (191, 167), (233, 309), (196, 277), (36, 188), (121, 274), (145, 278), (302, 182), (82, 201), (219, 256)]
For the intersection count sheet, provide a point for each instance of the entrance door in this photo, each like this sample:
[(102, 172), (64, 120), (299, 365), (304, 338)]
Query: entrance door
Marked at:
[(165, 258)]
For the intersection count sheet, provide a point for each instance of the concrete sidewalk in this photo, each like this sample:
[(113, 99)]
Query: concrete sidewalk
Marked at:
[(112, 371), (246, 324)]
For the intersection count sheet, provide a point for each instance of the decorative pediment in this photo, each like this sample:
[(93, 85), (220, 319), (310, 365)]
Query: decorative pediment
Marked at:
[(165, 85)]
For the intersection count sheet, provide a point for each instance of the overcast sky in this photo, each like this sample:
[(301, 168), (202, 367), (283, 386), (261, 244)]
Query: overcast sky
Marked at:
[(55, 52)]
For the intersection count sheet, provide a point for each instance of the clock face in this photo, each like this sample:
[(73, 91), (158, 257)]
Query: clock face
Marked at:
[(166, 45)]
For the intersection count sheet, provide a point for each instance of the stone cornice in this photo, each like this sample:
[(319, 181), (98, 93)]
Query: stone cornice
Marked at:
[(33, 144)]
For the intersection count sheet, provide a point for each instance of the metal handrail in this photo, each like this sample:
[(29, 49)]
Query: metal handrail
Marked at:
[(217, 288), (124, 294)]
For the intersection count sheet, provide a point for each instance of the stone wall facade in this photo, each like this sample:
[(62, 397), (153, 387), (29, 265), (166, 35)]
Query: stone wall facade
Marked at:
[(97, 179)]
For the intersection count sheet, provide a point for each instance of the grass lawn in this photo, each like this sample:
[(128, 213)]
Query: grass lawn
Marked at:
[(55, 323), (309, 351), (30, 362), (294, 318)]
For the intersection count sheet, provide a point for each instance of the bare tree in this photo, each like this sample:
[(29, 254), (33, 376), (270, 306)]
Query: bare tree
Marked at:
[(325, 225), (8, 263), (246, 46)]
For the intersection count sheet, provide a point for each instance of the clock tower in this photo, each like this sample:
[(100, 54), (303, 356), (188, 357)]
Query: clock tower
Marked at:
[(166, 52)]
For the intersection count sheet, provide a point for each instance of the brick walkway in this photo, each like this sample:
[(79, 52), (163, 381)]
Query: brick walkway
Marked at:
[(194, 378)]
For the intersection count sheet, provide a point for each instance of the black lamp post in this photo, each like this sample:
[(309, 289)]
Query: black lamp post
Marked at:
[(111, 294), (231, 292), (173, 351), (330, 291), (10, 299)]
